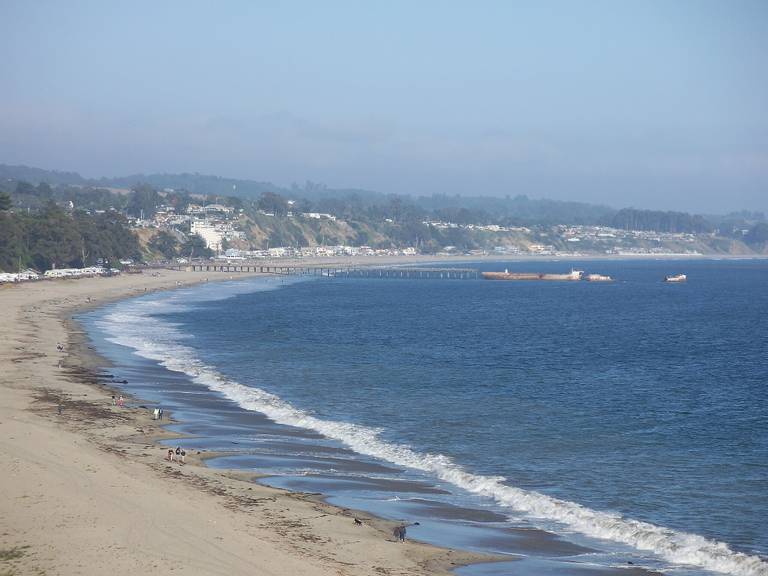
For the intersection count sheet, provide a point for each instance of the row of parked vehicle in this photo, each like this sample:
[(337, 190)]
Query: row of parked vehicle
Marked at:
[(30, 275)]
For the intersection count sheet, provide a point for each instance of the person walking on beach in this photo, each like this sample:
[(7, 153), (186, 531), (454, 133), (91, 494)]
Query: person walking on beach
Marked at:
[(161, 413), (169, 455), (114, 402), (120, 401), (400, 531), (183, 457), (156, 414)]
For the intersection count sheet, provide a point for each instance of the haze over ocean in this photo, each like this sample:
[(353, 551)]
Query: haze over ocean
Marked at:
[(651, 104), (628, 418)]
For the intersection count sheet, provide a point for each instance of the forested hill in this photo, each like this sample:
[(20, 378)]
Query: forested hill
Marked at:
[(526, 210), (38, 175), (193, 183), (517, 210), (52, 236)]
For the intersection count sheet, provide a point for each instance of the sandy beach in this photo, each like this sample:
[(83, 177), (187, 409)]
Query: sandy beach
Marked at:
[(84, 488)]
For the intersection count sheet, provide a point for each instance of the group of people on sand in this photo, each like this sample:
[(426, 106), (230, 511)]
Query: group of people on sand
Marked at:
[(120, 401), (157, 414), (178, 454)]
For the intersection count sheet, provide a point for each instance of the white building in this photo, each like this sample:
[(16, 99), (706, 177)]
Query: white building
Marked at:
[(220, 208), (278, 252), (318, 216), (207, 232)]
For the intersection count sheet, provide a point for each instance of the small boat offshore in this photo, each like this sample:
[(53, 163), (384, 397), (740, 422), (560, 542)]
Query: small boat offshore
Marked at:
[(675, 278)]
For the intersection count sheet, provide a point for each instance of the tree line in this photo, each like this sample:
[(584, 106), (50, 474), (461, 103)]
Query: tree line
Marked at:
[(658, 221), (55, 237)]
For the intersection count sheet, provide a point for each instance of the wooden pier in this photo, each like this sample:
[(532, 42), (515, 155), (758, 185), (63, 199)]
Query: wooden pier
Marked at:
[(341, 271)]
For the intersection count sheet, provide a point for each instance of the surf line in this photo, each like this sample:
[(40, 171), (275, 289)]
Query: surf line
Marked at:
[(133, 328)]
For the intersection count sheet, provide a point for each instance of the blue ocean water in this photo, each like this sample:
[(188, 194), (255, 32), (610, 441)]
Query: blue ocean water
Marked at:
[(629, 417)]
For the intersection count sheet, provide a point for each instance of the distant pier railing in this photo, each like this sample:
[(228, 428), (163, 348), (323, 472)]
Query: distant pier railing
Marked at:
[(417, 273), (340, 271)]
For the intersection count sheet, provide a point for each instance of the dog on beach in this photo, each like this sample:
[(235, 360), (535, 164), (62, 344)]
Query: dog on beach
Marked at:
[(358, 522)]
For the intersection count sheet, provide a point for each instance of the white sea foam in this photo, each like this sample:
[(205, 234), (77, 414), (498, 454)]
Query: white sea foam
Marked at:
[(130, 325)]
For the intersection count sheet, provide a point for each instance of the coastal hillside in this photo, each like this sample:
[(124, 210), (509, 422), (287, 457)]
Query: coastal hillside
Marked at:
[(60, 219)]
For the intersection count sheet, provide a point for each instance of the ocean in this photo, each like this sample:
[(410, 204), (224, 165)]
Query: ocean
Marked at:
[(577, 425)]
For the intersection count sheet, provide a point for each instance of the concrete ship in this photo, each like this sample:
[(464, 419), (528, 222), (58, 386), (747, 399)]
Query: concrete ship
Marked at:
[(573, 275)]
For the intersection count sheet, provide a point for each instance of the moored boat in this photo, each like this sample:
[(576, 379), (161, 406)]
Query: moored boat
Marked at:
[(571, 276), (598, 278), (673, 278)]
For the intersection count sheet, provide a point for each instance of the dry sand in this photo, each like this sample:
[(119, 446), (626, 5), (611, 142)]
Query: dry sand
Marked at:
[(86, 491)]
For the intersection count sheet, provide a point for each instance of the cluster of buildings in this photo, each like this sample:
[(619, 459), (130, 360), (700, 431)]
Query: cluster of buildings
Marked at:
[(218, 225), (215, 233), (307, 215), (315, 252), (573, 240), (628, 242), (440, 225), (576, 234), (214, 223)]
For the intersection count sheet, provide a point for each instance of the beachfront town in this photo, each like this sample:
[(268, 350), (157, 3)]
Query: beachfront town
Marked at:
[(223, 229), (71, 230)]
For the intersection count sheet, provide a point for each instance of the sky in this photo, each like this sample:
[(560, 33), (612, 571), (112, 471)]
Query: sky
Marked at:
[(657, 104)]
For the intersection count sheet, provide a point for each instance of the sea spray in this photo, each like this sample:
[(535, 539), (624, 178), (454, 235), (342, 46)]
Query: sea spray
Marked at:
[(133, 326)]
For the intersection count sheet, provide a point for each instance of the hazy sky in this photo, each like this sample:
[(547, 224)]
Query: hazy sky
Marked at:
[(659, 104)]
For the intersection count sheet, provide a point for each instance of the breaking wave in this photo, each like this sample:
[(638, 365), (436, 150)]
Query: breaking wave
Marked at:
[(131, 324)]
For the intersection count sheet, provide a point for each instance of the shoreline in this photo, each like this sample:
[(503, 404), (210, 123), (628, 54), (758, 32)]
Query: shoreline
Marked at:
[(426, 258), (195, 428), (87, 489)]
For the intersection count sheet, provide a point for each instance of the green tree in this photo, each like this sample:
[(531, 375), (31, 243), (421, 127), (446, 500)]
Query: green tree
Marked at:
[(44, 191), (52, 236), (12, 249), (106, 237), (5, 202), (195, 247), (53, 239), (143, 200), (758, 235), (166, 244), (25, 188), (274, 203)]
